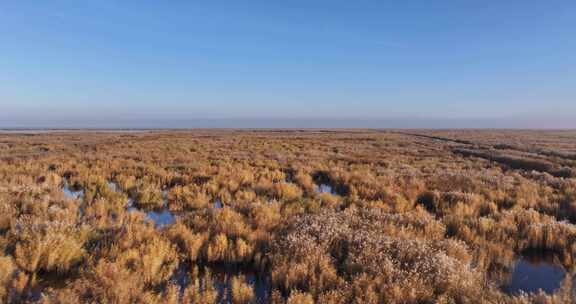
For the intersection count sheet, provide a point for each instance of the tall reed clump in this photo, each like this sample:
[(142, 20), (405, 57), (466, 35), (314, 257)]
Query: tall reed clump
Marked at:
[(155, 261), (190, 244), (7, 273), (242, 293), (7, 214), (149, 197), (188, 197), (297, 297), (305, 181), (48, 246), (287, 191), (519, 230), (132, 270), (111, 282), (144, 252), (230, 238)]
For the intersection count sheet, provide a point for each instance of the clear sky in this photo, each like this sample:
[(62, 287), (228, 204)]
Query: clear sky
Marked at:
[(490, 63)]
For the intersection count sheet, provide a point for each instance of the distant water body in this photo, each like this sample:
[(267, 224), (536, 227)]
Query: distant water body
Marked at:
[(110, 125), (80, 130)]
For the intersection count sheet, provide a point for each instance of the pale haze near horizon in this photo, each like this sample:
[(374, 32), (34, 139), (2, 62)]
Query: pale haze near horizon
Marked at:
[(137, 64)]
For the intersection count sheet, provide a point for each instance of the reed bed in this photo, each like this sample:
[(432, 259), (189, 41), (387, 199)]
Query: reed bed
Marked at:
[(424, 217)]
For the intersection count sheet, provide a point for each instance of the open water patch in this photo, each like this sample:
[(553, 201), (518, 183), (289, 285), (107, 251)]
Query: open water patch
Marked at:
[(222, 281), (72, 193), (325, 188), (113, 186), (161, 218), (534, 271)]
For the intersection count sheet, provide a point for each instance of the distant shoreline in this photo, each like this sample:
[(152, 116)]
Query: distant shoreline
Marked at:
[(287, 129)]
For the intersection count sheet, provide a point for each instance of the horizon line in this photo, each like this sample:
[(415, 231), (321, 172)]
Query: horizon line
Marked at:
[(289, 123)]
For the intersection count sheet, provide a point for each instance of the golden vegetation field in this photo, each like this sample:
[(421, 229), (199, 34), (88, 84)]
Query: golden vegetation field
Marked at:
[(329, 216)]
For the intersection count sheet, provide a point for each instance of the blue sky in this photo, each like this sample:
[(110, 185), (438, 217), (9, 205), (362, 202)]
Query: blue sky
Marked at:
[(108, 61)]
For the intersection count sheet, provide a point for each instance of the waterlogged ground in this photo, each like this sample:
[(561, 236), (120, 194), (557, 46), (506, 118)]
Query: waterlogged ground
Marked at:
[(221, 278), (323, 216), (532, 272)]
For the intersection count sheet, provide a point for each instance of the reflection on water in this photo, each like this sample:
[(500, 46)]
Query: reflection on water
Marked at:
[(70, 193), (113, 186), (130, 203), (535, 271), (222, 279), (325, 188), (161, 218), (218, 204)]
